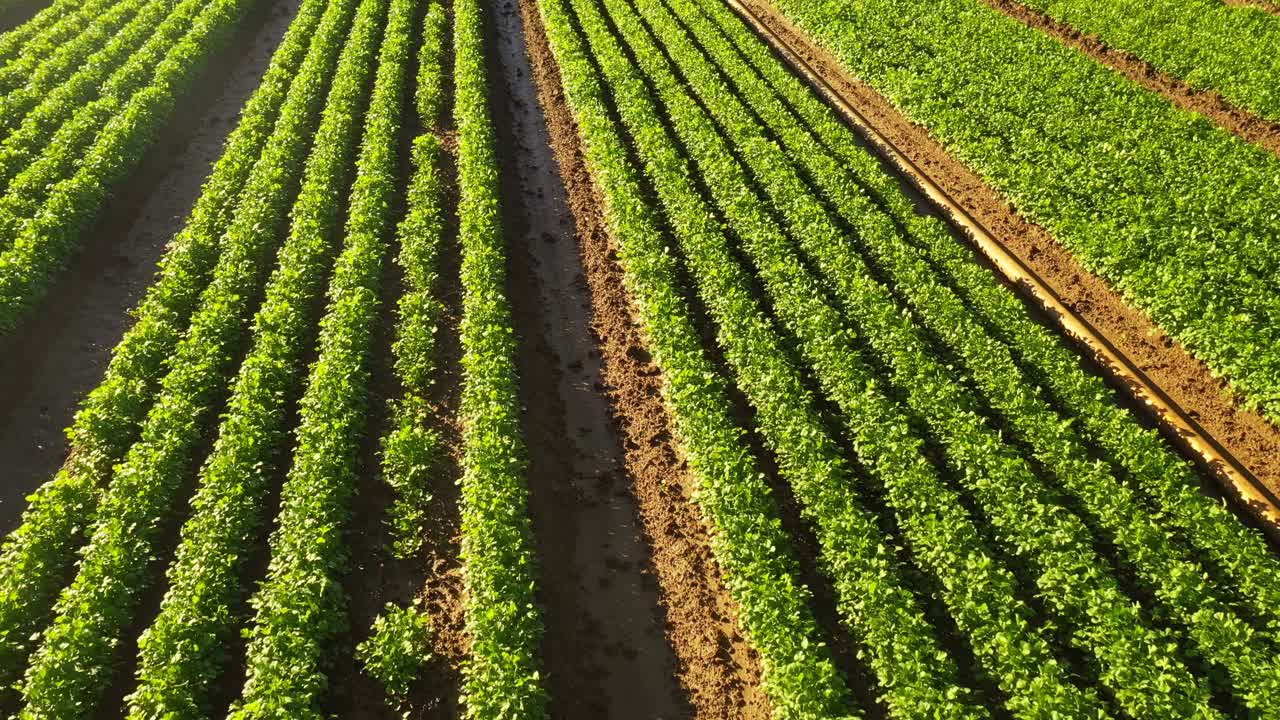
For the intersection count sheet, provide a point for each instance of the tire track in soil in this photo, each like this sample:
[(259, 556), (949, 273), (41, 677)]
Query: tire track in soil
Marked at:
[(58, 355), (604, 651), (718, 673), (1248, 436)]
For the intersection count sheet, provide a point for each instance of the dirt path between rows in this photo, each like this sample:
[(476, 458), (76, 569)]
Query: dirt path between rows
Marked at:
[(1222, 112), (717, 671), (15, 16), (1247, 435), (605, 650), (55, 358)]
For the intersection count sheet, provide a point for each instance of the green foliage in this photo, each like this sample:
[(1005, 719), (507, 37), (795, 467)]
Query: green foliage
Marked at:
[(1178, 582), (46, 61), (1024, 516), (183, 652), (1209, 44), (37, 557), (73, 662), (501, 678), (46, 146), (45, 243), (411, 452), (1178, 215), (1167, 480), (300, 607), (49, 28), (398, 648), (430, 94), (748, 540)]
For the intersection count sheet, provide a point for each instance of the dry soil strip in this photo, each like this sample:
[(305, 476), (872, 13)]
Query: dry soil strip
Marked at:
[(719, 673), (1223, 113), (1191, 407)]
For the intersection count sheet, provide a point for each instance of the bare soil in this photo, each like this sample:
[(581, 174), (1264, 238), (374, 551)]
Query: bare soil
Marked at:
[(55, 358), (718, 673), (1187, 381), (605, 647), (1225, 114), (20, 13)]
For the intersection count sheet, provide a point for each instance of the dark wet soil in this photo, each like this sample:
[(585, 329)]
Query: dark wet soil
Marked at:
[(51, 362), (718, 673), (605, 650)]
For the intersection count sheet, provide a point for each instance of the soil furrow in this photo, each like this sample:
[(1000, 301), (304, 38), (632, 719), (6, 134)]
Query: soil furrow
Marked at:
[(718, 672), (1263, 5), (605, 651)]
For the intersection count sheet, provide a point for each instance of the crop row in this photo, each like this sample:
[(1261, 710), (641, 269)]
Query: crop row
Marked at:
[(60, 20), (825, 345), (748, 540), (45, 61), (1175, 579), (301, 607), (1096, 418), (183, 651), (429, 95), (74, 659), (49, 141), (207, 274), (1028, 520), (502, 677), (411, 450), (937, 395), (1173, 211), (45, 243), (1209, 44)]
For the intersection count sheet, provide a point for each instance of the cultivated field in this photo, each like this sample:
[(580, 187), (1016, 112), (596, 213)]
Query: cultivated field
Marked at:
[(639, 359)]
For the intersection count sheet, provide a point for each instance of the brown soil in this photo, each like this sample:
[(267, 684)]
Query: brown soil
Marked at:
[(1248, 436), (52, 361), (605, 648), (1264, 5), (438, 566), (718, 671), (1208, 103)]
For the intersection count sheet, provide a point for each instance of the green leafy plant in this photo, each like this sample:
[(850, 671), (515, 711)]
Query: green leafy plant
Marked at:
[(300, 606), (45, 243), (46, 61), (181, 653), (37, 557), (397, 649), (411, 451), (1209, 44), (1175, 213), (749, 543), (501, 679), (1167, 480), (430, 93), (49, 28), (69, 670)]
